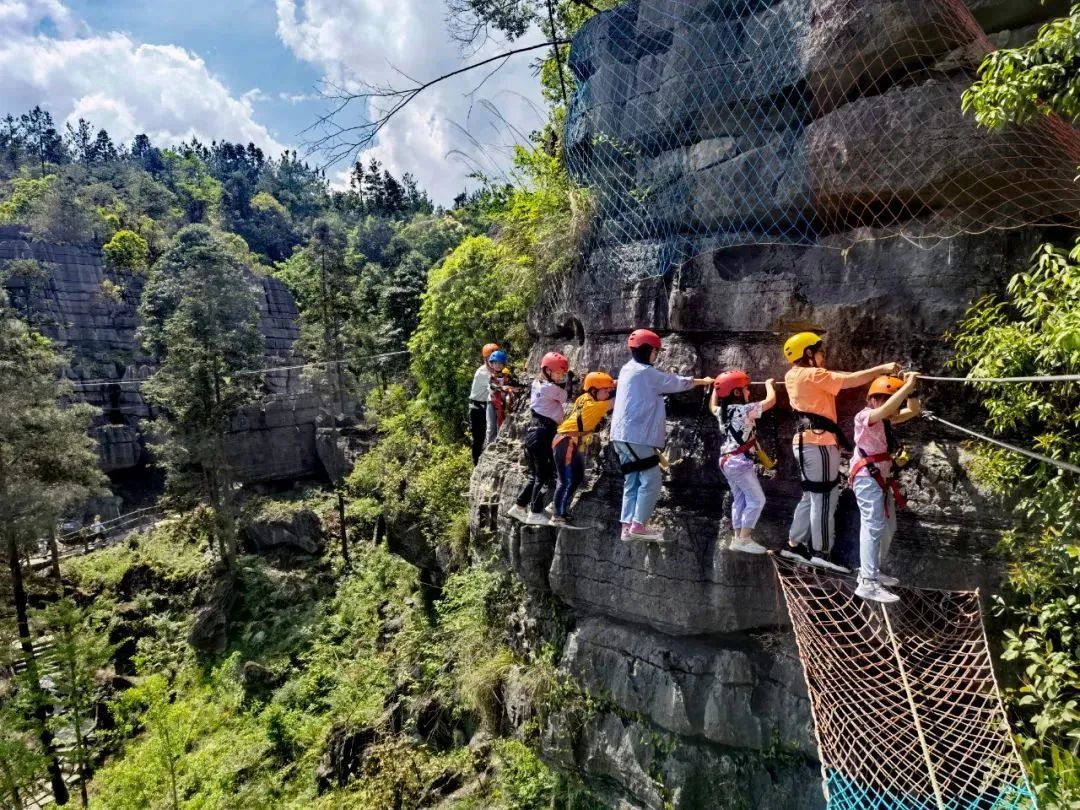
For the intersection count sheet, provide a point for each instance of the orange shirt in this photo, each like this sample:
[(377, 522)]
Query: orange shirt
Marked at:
[(814, 390)]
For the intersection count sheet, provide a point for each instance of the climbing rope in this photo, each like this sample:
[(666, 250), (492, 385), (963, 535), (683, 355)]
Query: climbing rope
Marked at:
[(1044, 378), (106, 382), (905, 705), (1064, 465)]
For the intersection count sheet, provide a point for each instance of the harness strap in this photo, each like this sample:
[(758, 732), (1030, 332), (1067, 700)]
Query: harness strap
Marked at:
[(817, 487), (815, 421), (869, 464), (744, 448), (639, 464)]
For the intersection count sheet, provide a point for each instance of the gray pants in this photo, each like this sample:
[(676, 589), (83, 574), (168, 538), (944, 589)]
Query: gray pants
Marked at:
[(876, 529), (814, 516), (492, 432)]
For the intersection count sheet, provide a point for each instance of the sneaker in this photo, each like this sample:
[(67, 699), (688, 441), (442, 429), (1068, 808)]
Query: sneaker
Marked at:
[(625, 534), (537, 519), (799, 553), (550, 508), (875, 591), (887, 581), (823, 562), (517, 513), (639, 531), (561, 522), (747, 546)]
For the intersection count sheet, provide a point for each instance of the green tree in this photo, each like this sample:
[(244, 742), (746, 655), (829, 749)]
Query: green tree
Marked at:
[(21, 761), (1016, 85), (127, 251), (481, 292), (24, 194), (1035, 329), (41, 138), (47, 461), (200, 320), (80, 652)]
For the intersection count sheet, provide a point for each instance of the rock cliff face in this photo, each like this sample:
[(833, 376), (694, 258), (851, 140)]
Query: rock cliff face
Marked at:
[(90, 310), (686, 647)]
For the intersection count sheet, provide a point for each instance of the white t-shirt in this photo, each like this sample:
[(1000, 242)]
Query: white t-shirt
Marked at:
[(481, 385)]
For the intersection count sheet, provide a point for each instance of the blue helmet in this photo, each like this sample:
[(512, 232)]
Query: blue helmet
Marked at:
[(498, 356)]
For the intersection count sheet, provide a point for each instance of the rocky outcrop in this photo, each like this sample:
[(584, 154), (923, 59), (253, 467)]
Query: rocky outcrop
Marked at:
[(814, 108), (299, 532), (91, 311)]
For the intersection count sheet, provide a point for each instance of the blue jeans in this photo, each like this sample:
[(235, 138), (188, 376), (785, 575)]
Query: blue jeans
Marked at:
[(641, 490), (570, 472), (876, 529)]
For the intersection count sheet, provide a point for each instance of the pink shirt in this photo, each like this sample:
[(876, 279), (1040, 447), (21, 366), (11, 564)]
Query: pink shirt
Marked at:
[(871, 440)]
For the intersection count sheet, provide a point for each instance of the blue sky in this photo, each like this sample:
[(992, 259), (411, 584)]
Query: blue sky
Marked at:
[(237, 39), (228, 69)]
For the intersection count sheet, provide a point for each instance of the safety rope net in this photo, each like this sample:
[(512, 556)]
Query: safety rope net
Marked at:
[(905, 703), (700, 124)]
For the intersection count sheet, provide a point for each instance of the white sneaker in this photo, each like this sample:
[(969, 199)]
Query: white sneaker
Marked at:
[(821, 562), (561, 522), (624, 535), (550, 508), (517, 513), (875, 591), (747, 546), (537, 519), (887, 581)]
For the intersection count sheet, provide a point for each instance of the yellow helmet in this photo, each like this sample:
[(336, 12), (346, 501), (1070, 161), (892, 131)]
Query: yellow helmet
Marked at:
[(795, 345)]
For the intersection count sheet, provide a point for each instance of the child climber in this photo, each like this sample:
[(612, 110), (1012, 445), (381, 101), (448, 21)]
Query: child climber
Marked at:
[(812, 390), (548, 396), (889, 402), (730, 402), (638, 430), (482, 420), (589, 412)]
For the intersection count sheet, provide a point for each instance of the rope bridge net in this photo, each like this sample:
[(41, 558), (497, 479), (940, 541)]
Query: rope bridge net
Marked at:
[(904, 699), (703, 124)]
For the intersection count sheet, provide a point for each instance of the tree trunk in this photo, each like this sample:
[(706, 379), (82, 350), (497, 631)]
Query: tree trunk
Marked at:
[(54, 557), (344, 533), (41, 708)]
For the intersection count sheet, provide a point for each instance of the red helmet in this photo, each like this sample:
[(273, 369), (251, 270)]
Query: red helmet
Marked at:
[(729, 381), (643, 337), (553, 361), (489, 348)]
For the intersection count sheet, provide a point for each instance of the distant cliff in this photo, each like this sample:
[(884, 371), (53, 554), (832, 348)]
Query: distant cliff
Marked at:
[(91, 311)]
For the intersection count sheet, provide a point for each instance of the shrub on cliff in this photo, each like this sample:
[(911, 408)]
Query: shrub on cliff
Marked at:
[(1035, 329), (480, 293), (127, 251)]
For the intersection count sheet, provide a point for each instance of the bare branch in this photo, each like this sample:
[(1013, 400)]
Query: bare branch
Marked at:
[(339, 142)]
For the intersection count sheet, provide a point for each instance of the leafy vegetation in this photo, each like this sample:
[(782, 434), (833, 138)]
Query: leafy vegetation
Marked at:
[(1035, 328), (1018, 84)]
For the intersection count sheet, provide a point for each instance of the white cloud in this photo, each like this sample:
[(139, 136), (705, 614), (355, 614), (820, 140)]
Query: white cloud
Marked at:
[(444, 133), (117, 83)]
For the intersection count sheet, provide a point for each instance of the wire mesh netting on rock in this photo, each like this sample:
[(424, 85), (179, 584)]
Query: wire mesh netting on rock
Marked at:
[(906, 708), (812, 122)]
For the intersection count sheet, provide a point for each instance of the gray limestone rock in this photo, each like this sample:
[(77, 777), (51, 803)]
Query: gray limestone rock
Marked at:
[(300, 532)]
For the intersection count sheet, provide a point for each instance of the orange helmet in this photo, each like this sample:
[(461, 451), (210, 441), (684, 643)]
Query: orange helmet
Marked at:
[(553, 361), (885, 386), (597, 379), (730, 381), (488, 349), (643, 337)]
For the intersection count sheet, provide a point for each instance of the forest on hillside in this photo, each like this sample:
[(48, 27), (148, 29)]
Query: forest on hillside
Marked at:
[(403, 665)]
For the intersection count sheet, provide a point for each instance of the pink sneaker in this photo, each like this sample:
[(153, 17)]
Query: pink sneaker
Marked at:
[(639, 531)]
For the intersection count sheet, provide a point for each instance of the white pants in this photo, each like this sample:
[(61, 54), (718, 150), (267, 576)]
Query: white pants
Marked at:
[(814, 516), (876, 529), (747, 499), (492, 432)]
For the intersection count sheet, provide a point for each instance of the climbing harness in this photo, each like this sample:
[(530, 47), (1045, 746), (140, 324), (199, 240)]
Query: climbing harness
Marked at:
[(639, 464), (869, 463)]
